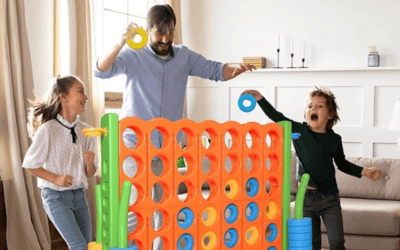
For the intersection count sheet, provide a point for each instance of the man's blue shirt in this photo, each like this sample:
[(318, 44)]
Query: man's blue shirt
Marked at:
[(156, 87)]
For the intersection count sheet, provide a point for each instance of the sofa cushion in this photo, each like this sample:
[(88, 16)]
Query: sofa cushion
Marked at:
[(362, 242), (370, 217), (386, 187)]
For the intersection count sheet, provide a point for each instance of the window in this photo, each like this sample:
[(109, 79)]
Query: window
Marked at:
[(116, 17)]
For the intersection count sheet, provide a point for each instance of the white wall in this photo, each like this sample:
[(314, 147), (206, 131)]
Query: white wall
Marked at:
[(337, 35)]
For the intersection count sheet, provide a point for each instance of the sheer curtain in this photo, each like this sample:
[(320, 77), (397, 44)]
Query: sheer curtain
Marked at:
[(27, 225), (82, 67), (26, 218), (81, 44)]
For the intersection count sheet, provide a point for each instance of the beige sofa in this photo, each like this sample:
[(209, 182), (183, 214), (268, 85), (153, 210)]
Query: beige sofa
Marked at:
[(371, 209)]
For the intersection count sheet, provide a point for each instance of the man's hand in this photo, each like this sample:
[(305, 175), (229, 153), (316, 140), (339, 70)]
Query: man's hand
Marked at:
[(105, 61), (232, 70), (128, 34), (63, 180), (254, 93), (372, 173), (242, 68)]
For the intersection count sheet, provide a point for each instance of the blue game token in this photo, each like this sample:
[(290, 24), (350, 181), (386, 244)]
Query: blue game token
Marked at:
[(249, 98)]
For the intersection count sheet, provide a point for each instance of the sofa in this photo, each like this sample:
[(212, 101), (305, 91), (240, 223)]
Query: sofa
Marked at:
[(371, 209)]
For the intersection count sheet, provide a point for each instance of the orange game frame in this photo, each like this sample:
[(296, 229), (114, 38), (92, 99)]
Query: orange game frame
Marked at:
[(227, 184)]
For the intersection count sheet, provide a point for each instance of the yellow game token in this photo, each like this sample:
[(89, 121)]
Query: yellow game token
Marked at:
[(142, 43), (94, 132)]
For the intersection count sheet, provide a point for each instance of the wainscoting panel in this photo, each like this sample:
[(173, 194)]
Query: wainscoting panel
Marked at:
[(365, 96), (208, 103), (296, 97), (236, 114), (385, 98), (351, 100), (353, 149), (386, 150)]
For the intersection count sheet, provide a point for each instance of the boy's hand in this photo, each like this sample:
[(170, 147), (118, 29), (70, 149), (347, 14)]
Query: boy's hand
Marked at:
[(372, 173), (89, 157), (63, 180), (254, 93), (242, 68)]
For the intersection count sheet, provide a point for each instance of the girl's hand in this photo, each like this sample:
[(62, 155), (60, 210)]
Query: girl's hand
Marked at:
[(89, 157), (372, 173), (90, 169), (63, 180), (254, 93)]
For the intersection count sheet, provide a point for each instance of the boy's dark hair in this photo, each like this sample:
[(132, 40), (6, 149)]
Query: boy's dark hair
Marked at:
[(330, 104), (160, 16)]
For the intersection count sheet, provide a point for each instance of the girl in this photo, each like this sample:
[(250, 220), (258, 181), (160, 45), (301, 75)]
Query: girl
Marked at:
[(316, 148), (62, 158)]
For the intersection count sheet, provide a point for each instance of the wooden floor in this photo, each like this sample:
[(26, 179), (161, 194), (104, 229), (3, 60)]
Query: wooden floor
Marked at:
[(57, 242), (3, 221)]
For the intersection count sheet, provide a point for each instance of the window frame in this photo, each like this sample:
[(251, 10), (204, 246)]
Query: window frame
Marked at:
[(113, 99)]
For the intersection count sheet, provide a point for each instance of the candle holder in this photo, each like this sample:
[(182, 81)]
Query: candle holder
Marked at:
[(291, 63), (302, 61), (278, 50)]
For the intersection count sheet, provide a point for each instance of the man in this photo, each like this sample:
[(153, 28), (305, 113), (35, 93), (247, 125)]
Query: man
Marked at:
[(157, 78), (157, 74)]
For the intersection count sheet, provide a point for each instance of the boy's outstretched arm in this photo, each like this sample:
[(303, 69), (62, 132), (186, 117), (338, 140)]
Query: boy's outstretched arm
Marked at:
[(268, 109), (254, 93), (372, 173)]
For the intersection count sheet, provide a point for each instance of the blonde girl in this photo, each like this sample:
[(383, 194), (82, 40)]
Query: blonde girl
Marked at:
[(62, 158)]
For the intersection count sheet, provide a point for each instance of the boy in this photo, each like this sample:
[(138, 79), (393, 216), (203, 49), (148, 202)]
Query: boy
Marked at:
[(315, 149)]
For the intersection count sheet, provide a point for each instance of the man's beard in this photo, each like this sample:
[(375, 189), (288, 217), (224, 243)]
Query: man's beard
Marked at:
[(159, 50)]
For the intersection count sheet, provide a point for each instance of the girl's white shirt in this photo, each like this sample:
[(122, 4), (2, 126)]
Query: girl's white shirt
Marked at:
[(52, 148)]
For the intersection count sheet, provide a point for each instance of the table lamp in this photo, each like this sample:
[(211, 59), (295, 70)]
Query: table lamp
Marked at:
[(395, 122)]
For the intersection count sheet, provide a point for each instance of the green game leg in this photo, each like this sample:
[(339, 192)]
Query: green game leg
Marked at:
[(287, 155), (298, 206), (110, 180), (99, 211), (123, 215)]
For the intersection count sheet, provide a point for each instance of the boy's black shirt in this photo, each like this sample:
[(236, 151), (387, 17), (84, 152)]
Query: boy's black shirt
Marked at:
[(315, 152)]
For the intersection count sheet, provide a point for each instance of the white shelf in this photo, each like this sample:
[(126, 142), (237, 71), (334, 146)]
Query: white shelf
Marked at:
[(272, 70)]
